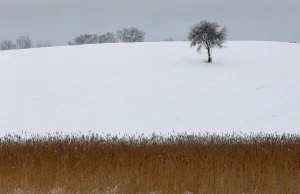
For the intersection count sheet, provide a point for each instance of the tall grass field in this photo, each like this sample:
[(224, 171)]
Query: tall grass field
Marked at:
[(179, 163)]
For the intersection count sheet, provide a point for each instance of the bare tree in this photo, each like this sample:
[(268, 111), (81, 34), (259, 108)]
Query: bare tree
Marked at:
[(107, 38), (131, 35), (71, 43), (208, 35), (24, 42), (43, 44), (7, 45), (85, 39), (169, 39)]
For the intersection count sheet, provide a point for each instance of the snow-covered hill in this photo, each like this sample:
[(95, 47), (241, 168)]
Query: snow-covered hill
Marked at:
[(146, 87)]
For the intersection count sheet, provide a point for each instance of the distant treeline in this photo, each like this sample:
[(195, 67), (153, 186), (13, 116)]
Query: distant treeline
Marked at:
[(23, 42), (128, 35), (124, 35)]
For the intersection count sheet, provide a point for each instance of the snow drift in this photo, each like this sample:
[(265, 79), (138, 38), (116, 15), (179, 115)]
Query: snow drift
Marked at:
[(151, 87)]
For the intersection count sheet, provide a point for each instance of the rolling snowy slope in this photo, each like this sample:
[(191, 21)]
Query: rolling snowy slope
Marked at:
[(146, 87)]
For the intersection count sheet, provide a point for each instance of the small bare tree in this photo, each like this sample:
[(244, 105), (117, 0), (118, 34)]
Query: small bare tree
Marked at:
[(24, 42), (169, 39), (107, 38), (131, 35), (71, 43), (208, 35), (7, 45), (43, 44)]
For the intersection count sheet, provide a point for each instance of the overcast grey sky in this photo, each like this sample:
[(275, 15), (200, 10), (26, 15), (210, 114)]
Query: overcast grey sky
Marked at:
[(60, 20)]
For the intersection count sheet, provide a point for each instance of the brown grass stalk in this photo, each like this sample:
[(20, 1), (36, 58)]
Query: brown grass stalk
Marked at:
[(257, 163)]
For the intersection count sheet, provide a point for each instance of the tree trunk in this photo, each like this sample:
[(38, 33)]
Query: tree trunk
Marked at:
[(209, 56)]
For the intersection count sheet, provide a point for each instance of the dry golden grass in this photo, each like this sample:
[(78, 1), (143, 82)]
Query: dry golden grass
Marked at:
[(181, 163)]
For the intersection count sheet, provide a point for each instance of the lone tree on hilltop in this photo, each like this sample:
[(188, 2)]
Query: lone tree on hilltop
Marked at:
[(208, 35)]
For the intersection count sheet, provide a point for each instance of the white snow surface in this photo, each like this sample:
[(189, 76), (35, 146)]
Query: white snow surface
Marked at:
[(251, 86)]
